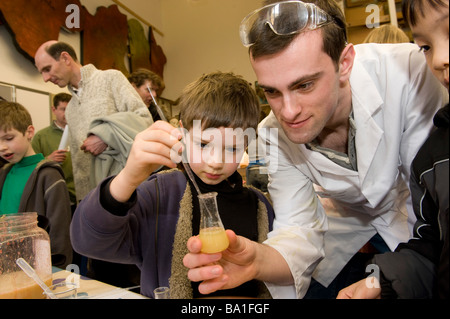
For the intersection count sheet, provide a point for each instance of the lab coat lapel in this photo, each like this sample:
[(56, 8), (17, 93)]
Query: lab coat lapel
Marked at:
[(366, 101)]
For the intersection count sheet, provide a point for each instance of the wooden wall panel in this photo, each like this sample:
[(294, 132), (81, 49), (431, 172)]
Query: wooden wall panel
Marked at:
[(104, 36), (34, 22)]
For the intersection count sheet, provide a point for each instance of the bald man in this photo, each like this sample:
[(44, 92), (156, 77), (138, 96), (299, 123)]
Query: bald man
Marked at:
[(95, 94)]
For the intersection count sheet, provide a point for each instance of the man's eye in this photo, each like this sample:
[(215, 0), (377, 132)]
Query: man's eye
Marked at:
[(305, 86), (270, 92)]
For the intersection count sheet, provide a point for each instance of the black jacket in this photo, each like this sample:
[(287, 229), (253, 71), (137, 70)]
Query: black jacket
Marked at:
[(419, 268)]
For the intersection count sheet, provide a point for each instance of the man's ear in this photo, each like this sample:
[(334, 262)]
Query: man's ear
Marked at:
[(346, 62), (65, 57)]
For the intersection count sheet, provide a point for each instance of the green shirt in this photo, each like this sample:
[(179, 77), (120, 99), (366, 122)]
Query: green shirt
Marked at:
[(15, 183), (46, 141)]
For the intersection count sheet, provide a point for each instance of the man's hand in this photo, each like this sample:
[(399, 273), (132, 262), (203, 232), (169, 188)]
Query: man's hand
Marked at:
[(94, 145), (242, 261), (224, 270), (58, 156), (360, 290)]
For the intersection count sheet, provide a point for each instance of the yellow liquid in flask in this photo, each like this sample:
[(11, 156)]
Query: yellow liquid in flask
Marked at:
[(214, 240)]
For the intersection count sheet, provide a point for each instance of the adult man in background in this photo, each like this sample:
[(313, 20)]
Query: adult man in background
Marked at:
[(95, 94), (47, 140)]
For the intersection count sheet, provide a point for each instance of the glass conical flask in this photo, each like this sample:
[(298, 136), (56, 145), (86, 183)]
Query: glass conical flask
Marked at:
[(212, 233)]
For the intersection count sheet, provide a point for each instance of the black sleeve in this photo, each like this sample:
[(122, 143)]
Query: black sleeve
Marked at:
[(111, 204), (405, 274)]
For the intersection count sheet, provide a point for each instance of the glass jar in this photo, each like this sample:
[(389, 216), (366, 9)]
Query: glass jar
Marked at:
[(20, 236)]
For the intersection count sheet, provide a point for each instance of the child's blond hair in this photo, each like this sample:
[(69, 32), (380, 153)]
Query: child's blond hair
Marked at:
[(387, 33)]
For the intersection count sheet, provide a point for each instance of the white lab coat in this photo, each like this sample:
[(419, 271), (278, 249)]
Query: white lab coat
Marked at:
[(394, 97)]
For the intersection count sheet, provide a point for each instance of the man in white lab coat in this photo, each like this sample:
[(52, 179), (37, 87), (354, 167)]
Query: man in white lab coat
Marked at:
[(350, 119)]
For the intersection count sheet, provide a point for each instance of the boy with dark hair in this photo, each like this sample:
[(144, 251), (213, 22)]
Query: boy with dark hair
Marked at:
[(147, 221)]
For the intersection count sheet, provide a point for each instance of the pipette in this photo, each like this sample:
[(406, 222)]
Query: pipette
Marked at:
[(186, 166), (22, 263), (158, 109), (212, 232)]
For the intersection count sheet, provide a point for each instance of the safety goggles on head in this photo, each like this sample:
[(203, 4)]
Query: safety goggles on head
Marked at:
[(284, 18)]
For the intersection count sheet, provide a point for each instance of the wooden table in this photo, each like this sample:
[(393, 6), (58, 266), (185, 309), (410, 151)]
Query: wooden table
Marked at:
[(93, 289)]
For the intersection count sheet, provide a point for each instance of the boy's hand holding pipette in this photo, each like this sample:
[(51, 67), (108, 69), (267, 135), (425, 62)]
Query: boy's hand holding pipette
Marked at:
[(151, 148)]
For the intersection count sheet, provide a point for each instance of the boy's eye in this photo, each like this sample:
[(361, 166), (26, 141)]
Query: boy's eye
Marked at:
[(231, 149), (424, 48), (202, 145)]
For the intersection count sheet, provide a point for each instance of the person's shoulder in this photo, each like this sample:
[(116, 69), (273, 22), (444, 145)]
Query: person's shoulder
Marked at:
[(113, 71), (49, 167), (269, 121), (113, 74), (170, 182), (397, 63), (169, 176), (43, 131), (385, 48), (383, 52), (91, 72)]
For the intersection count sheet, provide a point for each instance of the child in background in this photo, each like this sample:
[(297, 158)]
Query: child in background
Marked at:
[(387, 33), (134, 218), (420, 268), (29, 183)]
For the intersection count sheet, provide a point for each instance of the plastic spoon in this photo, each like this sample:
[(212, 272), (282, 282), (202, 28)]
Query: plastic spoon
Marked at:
[(33, 275)]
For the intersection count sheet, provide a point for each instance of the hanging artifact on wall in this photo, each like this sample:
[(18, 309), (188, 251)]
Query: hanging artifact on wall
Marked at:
[(157, 56), (139, 47), (32, 23), (104, 36), (144, 53)]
